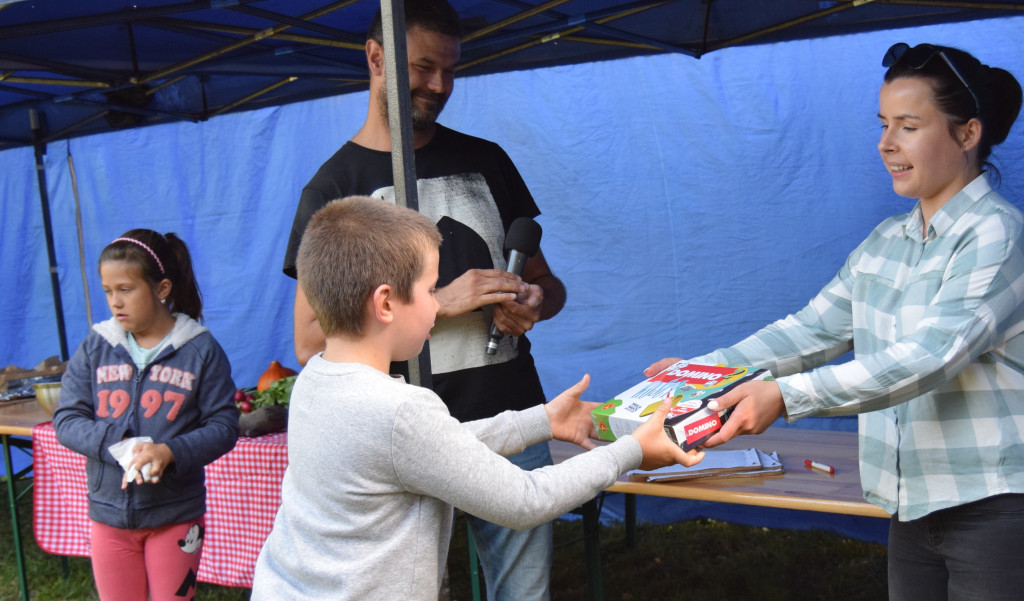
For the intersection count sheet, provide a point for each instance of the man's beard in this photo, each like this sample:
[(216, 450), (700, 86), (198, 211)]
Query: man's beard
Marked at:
[(422, 119)]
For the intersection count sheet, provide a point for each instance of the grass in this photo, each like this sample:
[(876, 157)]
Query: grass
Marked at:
[(707, 560), (699, 559)]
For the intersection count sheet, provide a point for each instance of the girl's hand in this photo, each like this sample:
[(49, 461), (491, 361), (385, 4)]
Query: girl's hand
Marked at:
[(157, 455)]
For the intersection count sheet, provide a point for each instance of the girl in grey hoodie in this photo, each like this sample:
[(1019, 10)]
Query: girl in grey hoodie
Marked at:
[(153, 375)]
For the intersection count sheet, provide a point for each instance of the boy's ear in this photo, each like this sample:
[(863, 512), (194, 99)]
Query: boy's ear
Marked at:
[(382, 304)]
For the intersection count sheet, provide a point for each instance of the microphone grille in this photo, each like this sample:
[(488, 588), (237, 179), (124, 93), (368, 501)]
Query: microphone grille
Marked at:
[(524, 236)]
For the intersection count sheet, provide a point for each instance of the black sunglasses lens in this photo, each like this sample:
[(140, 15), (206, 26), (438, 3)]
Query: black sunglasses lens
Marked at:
[(918, 56), (915, 57), (894, 53)]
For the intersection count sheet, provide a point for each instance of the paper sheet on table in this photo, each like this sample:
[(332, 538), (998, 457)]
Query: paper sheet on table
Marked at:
[(741, 462)]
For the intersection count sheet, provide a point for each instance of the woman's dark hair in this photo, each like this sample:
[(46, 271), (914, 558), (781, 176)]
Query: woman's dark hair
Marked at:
[(964, 88), (160, 257), (430, 15)]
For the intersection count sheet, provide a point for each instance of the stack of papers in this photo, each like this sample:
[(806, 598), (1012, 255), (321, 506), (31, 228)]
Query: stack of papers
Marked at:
[(718, 464)]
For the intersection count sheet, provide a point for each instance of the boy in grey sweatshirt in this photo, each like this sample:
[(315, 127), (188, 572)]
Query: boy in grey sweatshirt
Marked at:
[(375, 465)]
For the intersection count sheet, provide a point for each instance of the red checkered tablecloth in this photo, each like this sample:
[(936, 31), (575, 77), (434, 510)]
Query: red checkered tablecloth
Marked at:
[(243, 493)]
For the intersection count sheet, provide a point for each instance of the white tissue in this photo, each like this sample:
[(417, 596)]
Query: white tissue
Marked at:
[(123, 454)]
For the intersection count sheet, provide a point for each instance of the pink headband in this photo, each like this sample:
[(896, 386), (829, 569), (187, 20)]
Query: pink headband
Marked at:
[(148, 249)]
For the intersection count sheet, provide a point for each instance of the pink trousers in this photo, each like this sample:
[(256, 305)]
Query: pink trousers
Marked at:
[(161, 562)]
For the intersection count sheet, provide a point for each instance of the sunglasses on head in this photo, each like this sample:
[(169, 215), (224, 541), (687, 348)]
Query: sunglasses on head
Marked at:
[(918, 56)]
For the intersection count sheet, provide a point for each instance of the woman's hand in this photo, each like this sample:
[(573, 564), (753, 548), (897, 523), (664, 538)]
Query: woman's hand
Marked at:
[(756, 405), (658, 366)]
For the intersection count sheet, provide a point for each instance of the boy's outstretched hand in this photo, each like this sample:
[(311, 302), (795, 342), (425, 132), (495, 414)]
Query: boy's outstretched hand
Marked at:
[(659, 450), (570, 421), (570, 417)]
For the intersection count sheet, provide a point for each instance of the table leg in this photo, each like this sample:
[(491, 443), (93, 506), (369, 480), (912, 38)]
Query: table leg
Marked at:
[(12, 499), (592, 548), (474, 563), (630, 508)]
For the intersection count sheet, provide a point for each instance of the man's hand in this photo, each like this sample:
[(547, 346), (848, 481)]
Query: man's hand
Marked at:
[(757, 404), (570, 417), (518, 316), (476, 288), (658, 448)]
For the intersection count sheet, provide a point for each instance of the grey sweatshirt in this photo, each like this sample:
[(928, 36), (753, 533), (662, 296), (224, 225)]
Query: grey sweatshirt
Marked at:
[(375, 467)]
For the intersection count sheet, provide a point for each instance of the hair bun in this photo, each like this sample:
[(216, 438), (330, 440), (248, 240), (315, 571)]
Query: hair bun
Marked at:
[(1006, 96)]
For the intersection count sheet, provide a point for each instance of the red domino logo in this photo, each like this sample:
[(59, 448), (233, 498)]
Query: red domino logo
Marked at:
[(701, 428)]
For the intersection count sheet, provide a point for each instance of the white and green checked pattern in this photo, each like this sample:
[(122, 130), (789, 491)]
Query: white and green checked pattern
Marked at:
[(938, 370)]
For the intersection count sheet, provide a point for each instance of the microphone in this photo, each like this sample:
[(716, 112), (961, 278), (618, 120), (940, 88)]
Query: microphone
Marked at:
[(521, 243)]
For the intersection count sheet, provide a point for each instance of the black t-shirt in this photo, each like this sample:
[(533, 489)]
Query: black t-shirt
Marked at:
[(473, 192)]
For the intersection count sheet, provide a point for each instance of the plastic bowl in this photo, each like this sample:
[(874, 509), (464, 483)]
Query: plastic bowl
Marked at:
[(47, 393)]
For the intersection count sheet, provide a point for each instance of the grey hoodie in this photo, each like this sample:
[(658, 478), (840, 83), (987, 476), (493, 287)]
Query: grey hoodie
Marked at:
[(183, 399)]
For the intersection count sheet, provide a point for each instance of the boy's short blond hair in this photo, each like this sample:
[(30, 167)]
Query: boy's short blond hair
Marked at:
[(353, 245)]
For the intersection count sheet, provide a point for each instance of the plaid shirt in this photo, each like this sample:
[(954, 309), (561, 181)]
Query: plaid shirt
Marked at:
[(938, 370)]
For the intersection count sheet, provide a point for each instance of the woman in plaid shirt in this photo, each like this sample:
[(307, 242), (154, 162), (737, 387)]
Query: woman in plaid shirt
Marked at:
[(932, 304)]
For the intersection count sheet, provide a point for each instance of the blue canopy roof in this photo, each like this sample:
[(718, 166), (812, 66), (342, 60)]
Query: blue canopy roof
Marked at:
[(88, 67)]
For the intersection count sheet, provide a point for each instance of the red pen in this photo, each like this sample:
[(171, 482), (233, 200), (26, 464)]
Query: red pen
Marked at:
[(821, 466)]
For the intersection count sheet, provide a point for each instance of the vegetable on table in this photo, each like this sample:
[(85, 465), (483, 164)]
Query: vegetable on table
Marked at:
[(274, 389), (275, 372)]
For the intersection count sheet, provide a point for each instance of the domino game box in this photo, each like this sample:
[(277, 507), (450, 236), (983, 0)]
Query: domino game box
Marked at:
[(690, 386)]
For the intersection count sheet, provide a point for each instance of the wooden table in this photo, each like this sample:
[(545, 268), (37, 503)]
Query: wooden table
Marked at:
[(17, 418), (797, 488)]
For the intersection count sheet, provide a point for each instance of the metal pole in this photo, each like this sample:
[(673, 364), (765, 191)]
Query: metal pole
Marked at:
[(403, 155), (396, 80), (40, 147)]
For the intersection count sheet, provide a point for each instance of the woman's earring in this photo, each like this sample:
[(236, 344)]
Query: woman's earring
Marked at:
[(163, 301)]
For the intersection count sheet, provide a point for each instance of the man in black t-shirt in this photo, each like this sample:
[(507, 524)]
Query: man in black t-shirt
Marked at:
[(472, 190)]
